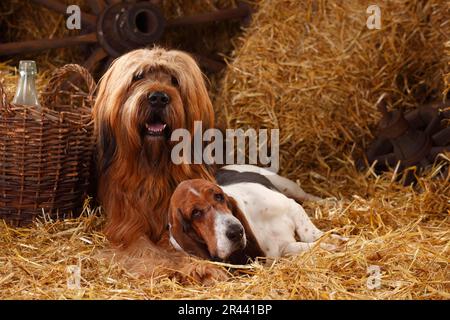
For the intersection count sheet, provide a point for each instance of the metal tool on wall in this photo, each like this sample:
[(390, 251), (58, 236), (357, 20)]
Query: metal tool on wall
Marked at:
[(412, 139)]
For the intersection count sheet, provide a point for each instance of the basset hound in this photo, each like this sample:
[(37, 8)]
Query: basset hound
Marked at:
[(251, 214)]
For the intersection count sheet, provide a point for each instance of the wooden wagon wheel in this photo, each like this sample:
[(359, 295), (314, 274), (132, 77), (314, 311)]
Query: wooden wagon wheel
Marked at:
[(118, 26)]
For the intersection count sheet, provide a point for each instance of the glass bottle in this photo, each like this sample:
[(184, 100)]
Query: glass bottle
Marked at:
[(26, 93)]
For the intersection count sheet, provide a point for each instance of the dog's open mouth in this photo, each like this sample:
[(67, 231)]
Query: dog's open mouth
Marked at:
[(156, 127)]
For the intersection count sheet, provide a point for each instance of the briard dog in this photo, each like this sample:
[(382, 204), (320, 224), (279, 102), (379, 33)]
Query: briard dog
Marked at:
[(144, 96)]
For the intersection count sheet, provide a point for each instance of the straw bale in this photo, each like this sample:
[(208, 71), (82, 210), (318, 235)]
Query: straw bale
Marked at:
[(314, 70)]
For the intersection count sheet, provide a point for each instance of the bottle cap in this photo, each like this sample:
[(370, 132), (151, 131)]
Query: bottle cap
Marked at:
[(28, 66)]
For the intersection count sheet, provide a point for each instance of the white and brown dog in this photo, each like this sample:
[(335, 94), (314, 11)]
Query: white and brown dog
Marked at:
[(250, 215)]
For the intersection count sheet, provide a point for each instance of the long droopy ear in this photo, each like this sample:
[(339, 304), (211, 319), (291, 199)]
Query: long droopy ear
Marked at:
[(194, 89), (180, 230), (184, 224), (252, 250), (106, 142), (106, 146)]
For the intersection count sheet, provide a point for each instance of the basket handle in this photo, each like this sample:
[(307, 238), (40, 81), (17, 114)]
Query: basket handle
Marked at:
[(58, 77), (3, 98)]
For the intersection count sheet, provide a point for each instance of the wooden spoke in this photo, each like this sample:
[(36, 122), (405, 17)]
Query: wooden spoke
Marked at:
[(107, 65), (215, 16), (39, 45), (110, 2), (96, 6), (53, 5), (95, 57), (211, 64)]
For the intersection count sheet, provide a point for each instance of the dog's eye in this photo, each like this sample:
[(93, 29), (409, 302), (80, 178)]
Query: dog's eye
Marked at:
[(196, 213), (138, 76), (219, 197), (174, 81)]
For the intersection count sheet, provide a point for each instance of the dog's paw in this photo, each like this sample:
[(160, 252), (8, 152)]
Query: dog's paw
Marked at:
[(313, 198), (204, 273), (338, 238), (328, 246), (334, 242)]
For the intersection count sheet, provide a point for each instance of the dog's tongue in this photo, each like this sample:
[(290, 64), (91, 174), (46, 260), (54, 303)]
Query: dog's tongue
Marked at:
[(155, 126)]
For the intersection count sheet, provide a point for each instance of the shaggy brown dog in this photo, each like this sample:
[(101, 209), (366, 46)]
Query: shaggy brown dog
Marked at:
[(142, 98)]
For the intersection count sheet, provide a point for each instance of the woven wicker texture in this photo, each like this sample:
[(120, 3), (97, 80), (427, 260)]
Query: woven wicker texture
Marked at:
[(46, 154)]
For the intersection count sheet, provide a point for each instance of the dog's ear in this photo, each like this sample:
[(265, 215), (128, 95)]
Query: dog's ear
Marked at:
[(106, 142), (195, 91), (184, 224), (233, 206), (106, 147), (180, 232), (252, 250)]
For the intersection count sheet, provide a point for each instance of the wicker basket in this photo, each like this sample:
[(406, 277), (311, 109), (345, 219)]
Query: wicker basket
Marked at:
[(46, 154)]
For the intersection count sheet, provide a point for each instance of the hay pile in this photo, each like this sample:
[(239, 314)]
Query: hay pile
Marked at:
[(394, 232), (314, 70), (304, 68)]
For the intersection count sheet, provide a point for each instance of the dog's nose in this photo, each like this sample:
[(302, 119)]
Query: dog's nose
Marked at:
[(158, 99), (235, 232)]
